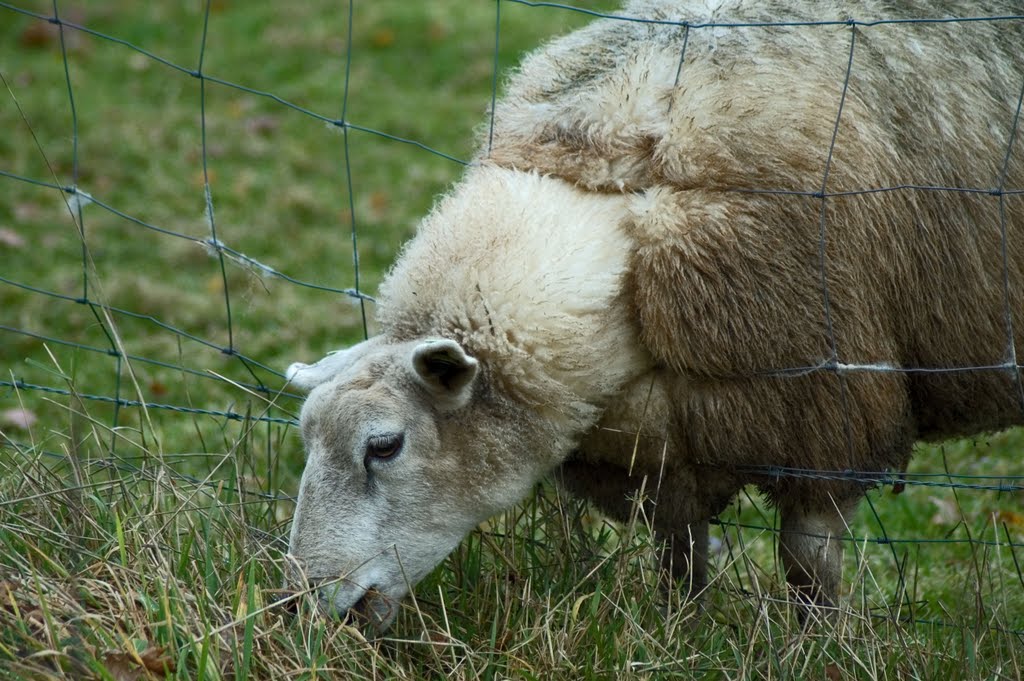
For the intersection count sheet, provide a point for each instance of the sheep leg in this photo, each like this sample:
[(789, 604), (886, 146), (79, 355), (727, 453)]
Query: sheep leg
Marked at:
[(811, 550), (613, 491), (684, 560), (606, 486)]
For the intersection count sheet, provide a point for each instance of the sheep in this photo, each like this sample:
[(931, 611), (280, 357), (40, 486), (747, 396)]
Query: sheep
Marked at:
[(730, 237)]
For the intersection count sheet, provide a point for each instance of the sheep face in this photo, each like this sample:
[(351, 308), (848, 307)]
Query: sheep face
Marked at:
[(380, 502)]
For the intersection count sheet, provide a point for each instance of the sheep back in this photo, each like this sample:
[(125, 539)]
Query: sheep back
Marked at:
[(826, 217)]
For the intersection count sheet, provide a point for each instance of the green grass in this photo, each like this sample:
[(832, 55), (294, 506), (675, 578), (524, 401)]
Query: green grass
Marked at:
[(125, 541)]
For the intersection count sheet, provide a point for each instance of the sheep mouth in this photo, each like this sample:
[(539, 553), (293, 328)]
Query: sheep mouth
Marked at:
[(373, 608)]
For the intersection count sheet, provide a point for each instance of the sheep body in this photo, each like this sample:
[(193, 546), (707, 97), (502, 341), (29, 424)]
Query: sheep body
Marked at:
[(690, 251), (741, 270)]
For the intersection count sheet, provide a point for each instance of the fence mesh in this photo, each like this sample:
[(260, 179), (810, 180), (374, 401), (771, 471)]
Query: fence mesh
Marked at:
[(179, 293)]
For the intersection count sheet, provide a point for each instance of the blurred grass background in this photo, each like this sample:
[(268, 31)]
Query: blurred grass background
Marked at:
[(106, 552), (278, 178)]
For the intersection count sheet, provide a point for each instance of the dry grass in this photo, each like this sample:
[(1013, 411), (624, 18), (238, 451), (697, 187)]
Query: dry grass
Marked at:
[(119, 567)]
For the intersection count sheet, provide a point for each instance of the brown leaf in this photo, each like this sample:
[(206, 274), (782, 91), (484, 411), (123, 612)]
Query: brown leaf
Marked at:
[(41, 34), (383, 37), (156, 661), (129, 667), (121, 667), (833, 673), (379, 201), (19, 418), (1011, 518)]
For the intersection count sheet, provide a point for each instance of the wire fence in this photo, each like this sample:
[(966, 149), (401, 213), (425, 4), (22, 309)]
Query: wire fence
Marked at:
[(219, 356)]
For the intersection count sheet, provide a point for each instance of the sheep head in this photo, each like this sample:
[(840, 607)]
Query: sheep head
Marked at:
[(399, 469)]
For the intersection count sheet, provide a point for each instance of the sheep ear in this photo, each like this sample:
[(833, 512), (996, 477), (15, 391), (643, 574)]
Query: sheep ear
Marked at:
[(308, 376), (445, 369)]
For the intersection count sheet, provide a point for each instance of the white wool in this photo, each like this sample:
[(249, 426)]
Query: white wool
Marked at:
[(520, 268)]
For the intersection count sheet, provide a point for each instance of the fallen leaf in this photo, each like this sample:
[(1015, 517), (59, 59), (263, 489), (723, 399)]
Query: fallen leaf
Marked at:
[(1011, 518), (42, 34), (379, 203), (128, 667), (39, 34), (11, 239), (832, 673), (155, 660), (22, 419), (383, 37), (120, 669), (436, 637)]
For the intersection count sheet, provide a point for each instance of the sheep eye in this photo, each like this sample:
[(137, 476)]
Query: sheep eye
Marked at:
[(382, 447)]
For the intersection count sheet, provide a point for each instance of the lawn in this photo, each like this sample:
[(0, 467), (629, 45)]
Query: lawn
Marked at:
[(206, 237)]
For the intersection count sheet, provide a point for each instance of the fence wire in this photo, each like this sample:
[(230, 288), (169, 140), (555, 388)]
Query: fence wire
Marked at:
[(243, 373)]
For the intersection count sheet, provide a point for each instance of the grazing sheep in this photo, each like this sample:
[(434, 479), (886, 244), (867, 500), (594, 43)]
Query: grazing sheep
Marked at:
[(687, 252)]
